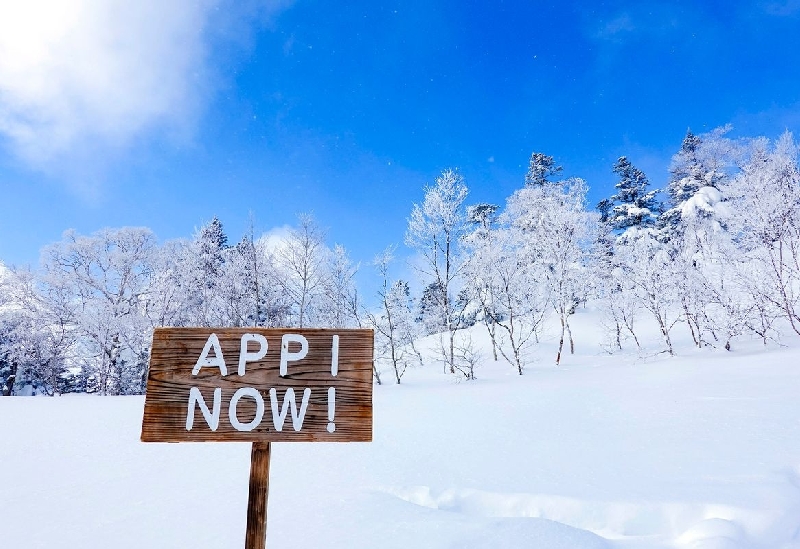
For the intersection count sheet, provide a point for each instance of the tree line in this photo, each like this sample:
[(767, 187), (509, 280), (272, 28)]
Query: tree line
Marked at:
[(717, 253)]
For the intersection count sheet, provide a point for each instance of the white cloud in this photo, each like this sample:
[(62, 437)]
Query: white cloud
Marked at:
[(275, 238), (92, 75)]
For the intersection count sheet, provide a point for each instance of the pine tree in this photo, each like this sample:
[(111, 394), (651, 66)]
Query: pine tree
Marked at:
[(633, 205), (211, 242), (483, 216), (430, 308), (696, 177), (540, 168)]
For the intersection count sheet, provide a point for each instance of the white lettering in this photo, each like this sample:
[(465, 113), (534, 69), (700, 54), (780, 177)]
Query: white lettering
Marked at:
[(288, 402), (287, 356), (212, 418), (216, 360), (331, 409), (253, 393), (335, 356), (246, 356)]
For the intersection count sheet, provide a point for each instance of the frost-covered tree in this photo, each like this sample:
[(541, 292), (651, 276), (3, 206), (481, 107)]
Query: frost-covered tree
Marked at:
[(434, 231), (694, 228), (765, 220), (429, 309), (514, 275), (36, 337), (480, 244), (202, 271), (559, 233), (107, 275), (340, 294), (633, 205), (394, 325), (301, 263), (697, 172), (541, 168), (166, 302), (613, 288), (238, 288), (652, 273)]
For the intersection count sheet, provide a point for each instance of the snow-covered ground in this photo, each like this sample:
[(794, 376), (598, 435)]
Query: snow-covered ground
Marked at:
[(627, 451)]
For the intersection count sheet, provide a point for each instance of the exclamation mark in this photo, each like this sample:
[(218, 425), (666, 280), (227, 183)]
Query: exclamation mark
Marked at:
[(331, 408), (332, 390), (335, 356)]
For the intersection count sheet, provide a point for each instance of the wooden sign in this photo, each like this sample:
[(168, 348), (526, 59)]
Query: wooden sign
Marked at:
[(251, 384), (259, 385)]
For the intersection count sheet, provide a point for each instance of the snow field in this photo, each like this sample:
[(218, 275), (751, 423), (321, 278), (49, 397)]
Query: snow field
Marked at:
[(700, 451)]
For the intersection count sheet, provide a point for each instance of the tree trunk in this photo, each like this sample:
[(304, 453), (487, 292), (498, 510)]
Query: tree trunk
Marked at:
[(452, 353), (571, 341), (560, 342), (375, 373), (491, 327)]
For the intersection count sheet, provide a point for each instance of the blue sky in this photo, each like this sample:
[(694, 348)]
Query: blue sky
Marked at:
[(166, 114)]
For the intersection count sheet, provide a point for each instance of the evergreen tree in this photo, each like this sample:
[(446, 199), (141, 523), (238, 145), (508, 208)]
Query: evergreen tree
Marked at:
[(211, 242), (604, 207), (203, 269), (540, 168), (483, 216), (696, 177), (431, 314), (633, 205)]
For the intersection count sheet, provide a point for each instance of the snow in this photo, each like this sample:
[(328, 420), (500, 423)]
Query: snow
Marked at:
[(636, 450), (707, 200)]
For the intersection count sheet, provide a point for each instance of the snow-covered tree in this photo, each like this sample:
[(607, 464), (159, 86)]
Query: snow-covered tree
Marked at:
[(301, 262), (107, 275), (765, 219), (202, 267), (613, 288), (480, 245), (559, 233), (541, 168), (650, 270), (434, 231), (697, 172), (36, 337), (394, 326), (237, 291), (512, 272), (694, 228), (340, 293), (633, 205)]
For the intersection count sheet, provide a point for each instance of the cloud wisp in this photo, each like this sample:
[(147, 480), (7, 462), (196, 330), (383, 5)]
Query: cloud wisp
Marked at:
[(87, 77)]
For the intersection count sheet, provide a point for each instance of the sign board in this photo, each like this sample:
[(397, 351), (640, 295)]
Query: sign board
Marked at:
[(259, 385)]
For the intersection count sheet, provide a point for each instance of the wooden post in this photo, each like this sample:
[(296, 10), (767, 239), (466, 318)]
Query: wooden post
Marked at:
[(256, 537)]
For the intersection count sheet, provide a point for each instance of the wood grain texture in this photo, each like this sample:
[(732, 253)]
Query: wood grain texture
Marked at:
[(175, 352), (256, 535)]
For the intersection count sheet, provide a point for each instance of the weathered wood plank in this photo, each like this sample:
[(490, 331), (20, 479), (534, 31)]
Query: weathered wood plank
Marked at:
[(256, 535), (175, 355)]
